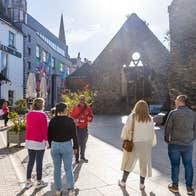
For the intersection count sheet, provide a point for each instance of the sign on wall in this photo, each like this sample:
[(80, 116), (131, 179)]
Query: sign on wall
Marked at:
[(10, 51)]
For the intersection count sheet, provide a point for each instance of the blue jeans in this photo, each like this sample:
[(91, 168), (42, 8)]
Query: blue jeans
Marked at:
[(38, 156), (62, 151), (175, 152)]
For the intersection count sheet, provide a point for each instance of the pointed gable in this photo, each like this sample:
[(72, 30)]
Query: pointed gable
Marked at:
[(133, 36)]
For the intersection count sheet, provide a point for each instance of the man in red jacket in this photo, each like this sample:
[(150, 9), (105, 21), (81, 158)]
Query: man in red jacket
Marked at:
[(82, 115)]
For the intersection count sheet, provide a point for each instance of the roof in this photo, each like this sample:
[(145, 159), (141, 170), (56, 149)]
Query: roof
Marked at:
[(84, 69), (10, 23)]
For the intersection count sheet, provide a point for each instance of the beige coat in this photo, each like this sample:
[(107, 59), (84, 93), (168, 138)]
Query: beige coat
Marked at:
[(144, 138)]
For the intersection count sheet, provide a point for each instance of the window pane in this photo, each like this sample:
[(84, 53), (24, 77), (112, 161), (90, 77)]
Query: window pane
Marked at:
[(4, 61), (37, 51), (44, 56), (11, 39), (53, 62)]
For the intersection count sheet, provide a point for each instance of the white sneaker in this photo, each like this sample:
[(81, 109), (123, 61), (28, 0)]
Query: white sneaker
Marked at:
[(58, 193), (71, 192), (41, 185), (142, 186), (121, 184), (28, 184)]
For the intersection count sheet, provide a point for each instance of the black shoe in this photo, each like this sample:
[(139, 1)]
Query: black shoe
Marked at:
[(84, 160)]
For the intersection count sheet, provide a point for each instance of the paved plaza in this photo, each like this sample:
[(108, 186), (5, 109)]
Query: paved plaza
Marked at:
[(99, 176)]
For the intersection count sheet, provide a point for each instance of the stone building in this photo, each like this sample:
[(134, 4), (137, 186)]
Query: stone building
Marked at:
[(182, 78), (80, 78), (119, 84)]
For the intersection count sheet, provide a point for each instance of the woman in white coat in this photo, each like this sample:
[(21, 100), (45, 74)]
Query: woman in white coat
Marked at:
[(143, 139)]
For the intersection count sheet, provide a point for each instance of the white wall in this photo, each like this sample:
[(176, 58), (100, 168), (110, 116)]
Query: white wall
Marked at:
[(15, 64)]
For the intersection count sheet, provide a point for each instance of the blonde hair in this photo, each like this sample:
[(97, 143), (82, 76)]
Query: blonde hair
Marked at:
[(141, 111), (38, 104)]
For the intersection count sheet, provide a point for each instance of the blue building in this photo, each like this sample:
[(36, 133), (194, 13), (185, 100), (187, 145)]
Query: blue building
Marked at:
[(44, 53)]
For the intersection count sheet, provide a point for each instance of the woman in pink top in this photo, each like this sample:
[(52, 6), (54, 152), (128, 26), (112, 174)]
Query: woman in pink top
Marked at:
[(36, 140)]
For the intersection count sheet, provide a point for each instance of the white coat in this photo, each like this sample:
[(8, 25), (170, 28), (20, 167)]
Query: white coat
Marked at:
[(144, 138)]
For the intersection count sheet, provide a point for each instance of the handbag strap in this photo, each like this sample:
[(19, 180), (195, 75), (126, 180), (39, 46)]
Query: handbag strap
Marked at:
[(132, 126)]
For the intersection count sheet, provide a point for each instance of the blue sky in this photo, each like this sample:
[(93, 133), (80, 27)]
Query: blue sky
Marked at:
[(91, 24)]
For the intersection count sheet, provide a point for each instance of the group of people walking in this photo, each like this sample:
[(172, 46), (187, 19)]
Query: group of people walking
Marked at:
[(66, 136)]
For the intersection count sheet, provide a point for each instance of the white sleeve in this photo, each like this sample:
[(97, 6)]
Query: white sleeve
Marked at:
[(126, 128)]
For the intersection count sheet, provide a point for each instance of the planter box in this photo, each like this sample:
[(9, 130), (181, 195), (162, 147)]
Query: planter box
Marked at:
[(16, 138)]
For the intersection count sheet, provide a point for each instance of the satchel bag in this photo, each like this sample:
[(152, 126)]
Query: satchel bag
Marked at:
[(128, 144)]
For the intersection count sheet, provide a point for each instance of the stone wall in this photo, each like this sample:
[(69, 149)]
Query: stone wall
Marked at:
[(182, 78), (134, 36)]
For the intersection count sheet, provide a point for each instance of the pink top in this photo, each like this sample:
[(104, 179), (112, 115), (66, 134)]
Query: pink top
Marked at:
[(36, 126)]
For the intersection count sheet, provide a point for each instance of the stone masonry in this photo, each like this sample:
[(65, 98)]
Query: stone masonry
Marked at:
[(182, 78), (133, 36)]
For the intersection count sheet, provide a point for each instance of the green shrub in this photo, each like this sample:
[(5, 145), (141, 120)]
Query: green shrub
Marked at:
[(21, 106), (18, 122), (72, 98)]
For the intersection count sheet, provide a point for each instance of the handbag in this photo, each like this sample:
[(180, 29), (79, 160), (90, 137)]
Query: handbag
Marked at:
[(128, 144)]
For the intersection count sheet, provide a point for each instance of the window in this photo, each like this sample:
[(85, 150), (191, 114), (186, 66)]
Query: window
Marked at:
[(44, 56), (21, 16), (29, 65), (29, 38), (29, 51), (4, 63), (53, 62), (11, 39), (61, 67), (37, 51)]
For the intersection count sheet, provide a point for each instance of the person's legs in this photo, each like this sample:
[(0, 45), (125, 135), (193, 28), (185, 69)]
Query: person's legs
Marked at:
[(188, 166), (57, 160), (67, 155), (32, 154), (174, 156), (79, 144), (84, 138), (142, 180), (125, 176), (39, 163), (5, 119)]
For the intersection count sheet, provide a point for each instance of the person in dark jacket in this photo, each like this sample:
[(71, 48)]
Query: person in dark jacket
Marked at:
[(61, 132), (180, 131)]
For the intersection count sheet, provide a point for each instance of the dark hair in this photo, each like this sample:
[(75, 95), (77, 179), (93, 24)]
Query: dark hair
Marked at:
[(60, 107)]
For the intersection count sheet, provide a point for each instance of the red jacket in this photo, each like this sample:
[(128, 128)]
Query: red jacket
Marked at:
[(82, 115), (5, 109)]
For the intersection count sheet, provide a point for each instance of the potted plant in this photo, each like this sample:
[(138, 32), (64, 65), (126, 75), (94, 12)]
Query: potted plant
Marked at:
[(16, 132)]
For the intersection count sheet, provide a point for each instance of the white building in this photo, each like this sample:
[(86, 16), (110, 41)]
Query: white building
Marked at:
[(11, 61)]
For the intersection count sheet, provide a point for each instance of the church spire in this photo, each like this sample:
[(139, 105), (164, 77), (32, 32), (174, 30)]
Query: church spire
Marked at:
[(62, 31)]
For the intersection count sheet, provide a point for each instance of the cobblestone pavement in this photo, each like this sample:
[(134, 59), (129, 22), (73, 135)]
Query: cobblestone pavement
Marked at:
[(9, 183), (100, 175)]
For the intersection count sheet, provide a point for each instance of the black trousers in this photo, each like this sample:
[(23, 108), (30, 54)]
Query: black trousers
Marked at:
[(5, 117), (38, 156), (82, 136)]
